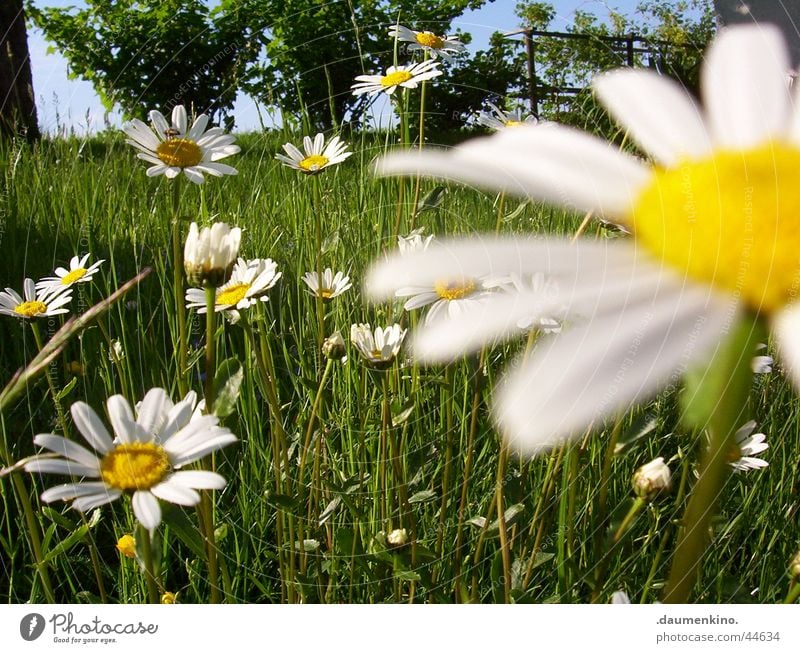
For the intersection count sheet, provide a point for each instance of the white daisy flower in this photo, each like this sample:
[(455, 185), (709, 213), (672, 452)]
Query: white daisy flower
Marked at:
[(762, 364), (143, 460), (497, 119), (210, 252), (378, 349), (44, 302), (620, 597), (415, 241), (714, 227), (78, 272), (249, 283), (317, 157), (449, 294), (331, 286), (652, 479), (396, 76), (436, 46), (748, 444), (176, 147)]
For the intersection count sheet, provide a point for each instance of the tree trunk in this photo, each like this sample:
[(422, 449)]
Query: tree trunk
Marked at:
[(17, 101)]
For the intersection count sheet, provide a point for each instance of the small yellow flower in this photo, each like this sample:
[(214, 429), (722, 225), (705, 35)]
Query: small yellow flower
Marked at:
[(169, 598), (126, 545)]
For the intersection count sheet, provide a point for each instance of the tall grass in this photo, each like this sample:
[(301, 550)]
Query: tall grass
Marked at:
[(410, 448)]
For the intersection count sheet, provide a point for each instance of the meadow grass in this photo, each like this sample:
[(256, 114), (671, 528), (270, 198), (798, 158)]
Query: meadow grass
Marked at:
[(410, 448)]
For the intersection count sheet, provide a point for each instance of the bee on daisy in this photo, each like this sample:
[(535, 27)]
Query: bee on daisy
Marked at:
[(396, 77), (317, 156), (144, 460), (79, 272), (173, 146), (249, 284), (433, 45), (35, 303)]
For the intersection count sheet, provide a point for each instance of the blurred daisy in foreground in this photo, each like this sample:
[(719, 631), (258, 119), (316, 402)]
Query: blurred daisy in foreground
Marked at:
[(332, 285), (78, 272), (396, 76), (541, 286), (249, 283), (748, 444), (762, 364), (414, 242), (175, 147), (436, 46), (317, 157), (497, 119), (144, 460), (723, 192), (35, 303), (378, 348)]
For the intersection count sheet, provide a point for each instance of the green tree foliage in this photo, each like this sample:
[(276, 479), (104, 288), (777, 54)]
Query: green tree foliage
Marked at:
[(143, 54), (675, 35)]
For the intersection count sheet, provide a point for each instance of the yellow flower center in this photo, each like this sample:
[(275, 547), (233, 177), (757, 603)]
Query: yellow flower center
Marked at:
[(450, 290), (314, 162), (72, 276), (430, 40), (179, 152), (732, 220), (134, 466), (512, 123), (395, 78), (30, 309), (232, 295), (325, 293)]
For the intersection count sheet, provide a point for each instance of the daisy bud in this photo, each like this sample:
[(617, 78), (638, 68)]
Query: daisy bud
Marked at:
[(794, 567), (398, 537), (652, 479), (333, 347), (126, 545), (169, 598), (210, 253)]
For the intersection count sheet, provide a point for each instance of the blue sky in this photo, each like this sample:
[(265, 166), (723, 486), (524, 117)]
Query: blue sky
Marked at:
[(73, 104)]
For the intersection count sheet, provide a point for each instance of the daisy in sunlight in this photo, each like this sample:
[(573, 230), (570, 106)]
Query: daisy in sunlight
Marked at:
[(317, 156), (249, 283), (713, 248), (43, 302), (396, 77), (144, 459), (434, 45), (175, 147), (79, 272), (332, 285)]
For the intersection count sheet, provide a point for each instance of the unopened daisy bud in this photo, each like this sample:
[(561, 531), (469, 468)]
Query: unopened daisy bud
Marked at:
[(126, 545), (210, 253), (652, 479), (333, 347), (794, 567), (398, 537), (115, 351), (169, 598)]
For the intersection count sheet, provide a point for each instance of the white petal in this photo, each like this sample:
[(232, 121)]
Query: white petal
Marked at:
[(194, 175), (67, 448), (90, 502), (122, 421), (160, 124), (146, 509), (91, 427), (57, 466), (577, 379), (786, 328), (200, 449), (179, 118), (153, 411), (198, 480), (744, 86), (661, 116), (70, 491), (198, 127), (549, 162), (174, 493)]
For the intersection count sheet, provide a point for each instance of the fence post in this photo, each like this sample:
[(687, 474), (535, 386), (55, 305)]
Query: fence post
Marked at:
[(530, 50)]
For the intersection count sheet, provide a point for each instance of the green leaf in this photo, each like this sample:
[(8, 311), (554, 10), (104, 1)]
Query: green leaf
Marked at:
[(422, 497), (228, 383), (431, 200), (67, 388), (403, 414), (330, 242), (407, 575), (641, 426), (515, 213), (511, 515), (179, 523), (73, 538)]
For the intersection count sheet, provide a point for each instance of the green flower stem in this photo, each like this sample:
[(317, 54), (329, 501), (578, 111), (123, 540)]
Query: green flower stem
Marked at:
[(317, 210), (794, 593), (449, 400), (501, 206), (729, 385), (177, 285), (402, 110), (418, 180), (205, 508), (34, 536), (62, 418), (147, 558), (501, 522)]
